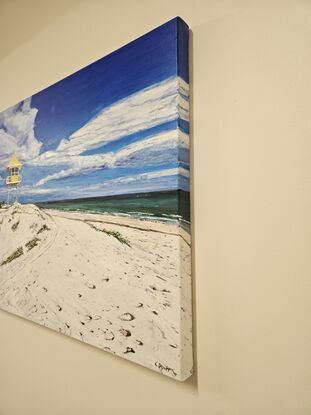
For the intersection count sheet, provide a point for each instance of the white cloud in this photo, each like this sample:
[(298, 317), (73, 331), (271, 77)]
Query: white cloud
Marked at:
[(29, 191), (146, 176), (155, 180), (147, 108), (158, 149), (152, 106), (17, 132), (139, 182)]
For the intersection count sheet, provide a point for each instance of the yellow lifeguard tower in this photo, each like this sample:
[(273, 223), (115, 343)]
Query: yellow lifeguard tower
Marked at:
[(13, 180)]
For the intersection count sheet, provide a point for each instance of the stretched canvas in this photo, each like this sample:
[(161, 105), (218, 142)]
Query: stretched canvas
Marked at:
[(94, 213)]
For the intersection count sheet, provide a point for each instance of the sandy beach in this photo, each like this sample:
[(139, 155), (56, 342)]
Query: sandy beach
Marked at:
[(117, 283)]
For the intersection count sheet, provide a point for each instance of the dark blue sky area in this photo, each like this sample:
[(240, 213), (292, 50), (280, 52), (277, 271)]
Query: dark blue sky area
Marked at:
[(69, 104)]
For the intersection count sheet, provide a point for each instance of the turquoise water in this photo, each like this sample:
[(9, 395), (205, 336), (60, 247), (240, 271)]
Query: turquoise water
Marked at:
[(163, 206)]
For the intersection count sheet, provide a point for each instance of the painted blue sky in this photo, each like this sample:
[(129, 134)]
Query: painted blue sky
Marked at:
[(118, 126)]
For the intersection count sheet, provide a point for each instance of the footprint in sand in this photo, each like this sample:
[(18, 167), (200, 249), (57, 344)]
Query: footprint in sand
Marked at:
[(125, 332), (127, 317)]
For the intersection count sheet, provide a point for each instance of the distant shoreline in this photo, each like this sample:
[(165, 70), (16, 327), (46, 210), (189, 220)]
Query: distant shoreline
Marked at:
[(144, 224), (166, 207), (118, 196)]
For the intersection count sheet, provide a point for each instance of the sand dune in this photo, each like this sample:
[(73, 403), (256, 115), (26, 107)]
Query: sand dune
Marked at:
[(119, 284)]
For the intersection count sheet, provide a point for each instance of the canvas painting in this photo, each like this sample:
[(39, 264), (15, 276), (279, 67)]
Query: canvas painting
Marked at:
[(95, 208)]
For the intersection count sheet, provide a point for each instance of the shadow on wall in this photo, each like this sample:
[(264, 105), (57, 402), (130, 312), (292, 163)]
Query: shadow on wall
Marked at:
[(46, 12), (193, 380)]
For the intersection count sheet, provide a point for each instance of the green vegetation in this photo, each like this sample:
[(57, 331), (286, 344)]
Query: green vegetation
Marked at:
[(32, 243), (19, 251), (14, 226), (115, 234), (118, 236), (43, 228)]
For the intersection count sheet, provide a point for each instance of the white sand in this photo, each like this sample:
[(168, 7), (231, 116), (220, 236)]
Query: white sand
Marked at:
[(133, 301)]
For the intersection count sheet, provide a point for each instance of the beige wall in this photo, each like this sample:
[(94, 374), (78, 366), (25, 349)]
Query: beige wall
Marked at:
[(252, 210)]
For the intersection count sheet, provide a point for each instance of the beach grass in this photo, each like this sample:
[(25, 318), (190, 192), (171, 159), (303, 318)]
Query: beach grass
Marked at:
[(19, 251), (115, 234), (43, 228), (32, 243), (15, 226), (118, 236)]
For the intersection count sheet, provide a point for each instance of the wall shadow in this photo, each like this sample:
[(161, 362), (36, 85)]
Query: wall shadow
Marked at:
[(193, 380)]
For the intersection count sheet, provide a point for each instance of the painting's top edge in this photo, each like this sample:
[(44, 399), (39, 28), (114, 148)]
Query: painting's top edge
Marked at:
[(173, 21)]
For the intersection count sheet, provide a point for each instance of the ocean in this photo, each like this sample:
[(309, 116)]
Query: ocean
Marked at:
[(168, 206)]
